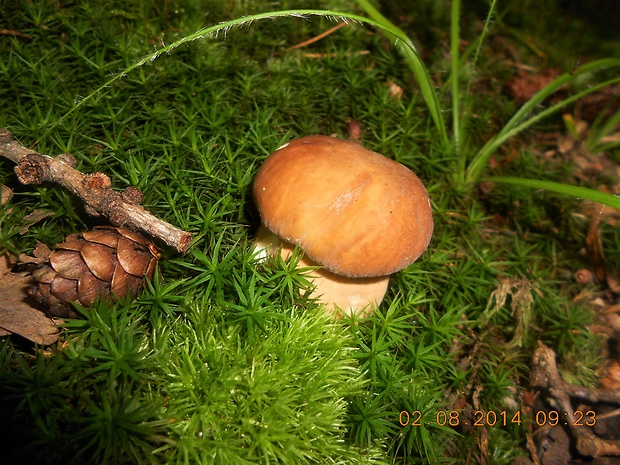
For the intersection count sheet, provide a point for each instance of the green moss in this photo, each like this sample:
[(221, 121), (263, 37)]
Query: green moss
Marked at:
[(225, 360)]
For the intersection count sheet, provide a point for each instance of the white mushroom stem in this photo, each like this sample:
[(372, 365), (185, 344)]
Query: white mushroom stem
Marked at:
[(339, 294)]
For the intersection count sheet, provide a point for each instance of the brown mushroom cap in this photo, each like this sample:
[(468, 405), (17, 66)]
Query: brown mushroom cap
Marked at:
[(353, 211)]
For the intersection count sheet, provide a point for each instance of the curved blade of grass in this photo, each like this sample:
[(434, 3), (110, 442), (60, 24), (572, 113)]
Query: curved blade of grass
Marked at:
[(464, 104), (517, 124), (566, 189), (605, 147), (505, 135), (402, 41), (479, 41), (455, 17), (414, 61)]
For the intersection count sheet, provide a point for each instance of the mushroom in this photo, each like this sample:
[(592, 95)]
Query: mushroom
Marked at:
[(356, 214)]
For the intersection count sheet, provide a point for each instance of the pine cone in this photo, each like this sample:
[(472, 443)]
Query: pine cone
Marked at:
[(106, 263)]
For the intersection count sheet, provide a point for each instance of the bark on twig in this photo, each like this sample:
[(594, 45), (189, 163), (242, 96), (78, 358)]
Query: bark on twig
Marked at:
[(546, 375), (121, 208)]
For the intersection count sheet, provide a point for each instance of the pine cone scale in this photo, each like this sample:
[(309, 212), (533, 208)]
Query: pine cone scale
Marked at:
[(135, 237), (124, 284), (90, 287), (61, 286), (67, 264), (44, 274), (100, 260), (73, 244), (100, 237), (150, 271), (134, 260)]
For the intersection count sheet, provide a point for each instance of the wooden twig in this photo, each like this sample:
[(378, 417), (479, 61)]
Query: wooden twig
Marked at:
[(121, 208), (334, 55), (319, 37)]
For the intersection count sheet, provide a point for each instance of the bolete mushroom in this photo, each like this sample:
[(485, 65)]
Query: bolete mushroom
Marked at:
[(358, 215)]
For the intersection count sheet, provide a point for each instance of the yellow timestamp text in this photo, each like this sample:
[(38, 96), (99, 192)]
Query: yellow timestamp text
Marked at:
[(555, 418), (454, 418), (491, 418)]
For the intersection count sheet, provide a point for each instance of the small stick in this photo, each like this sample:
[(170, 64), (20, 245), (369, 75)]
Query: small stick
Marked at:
[(122, 208), (319, 37), (334, 55)]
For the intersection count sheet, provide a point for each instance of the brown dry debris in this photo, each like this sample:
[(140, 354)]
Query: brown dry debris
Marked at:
[(396, 91), (526, 84), (520, 291), (7, 193), (354, 129), (604, 102), (33, 218), (17, 313), (611, 375), (589, 160), (587, 418), (596, 256), (599, 270)]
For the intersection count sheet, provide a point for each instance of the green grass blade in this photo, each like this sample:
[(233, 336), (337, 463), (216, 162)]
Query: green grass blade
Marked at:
[(402, 41), (601, 129), (454, 60), (479, 42), (556, 84), (566, 189), (519, 121), (505, 134), (414, 61)]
